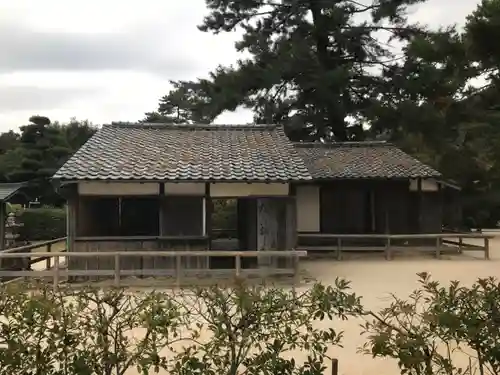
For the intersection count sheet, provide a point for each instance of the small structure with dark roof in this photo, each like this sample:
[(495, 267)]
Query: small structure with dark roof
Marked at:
[(368, 188), (151, 186)]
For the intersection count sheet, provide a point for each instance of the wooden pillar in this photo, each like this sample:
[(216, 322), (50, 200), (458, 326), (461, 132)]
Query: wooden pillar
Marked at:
[(241, 219), (70, 192), (267, 229), (161, 212), (2, 225), (441, 205), (373, 215), (207, 201), (291, 221), (72, 225), (420, 205)]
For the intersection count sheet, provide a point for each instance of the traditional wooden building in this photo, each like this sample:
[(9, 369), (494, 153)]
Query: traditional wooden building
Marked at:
[(370, 188), (150, 186)]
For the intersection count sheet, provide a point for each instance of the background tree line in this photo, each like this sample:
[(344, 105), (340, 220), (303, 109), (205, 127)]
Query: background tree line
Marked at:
[(333, 71), (36, 152)]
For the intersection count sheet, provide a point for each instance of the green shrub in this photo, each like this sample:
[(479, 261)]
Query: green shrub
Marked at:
[(440, 329), (42, 223), (242, 329), (224, 214)]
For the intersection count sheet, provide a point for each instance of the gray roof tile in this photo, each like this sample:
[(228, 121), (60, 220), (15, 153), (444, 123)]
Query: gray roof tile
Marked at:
[(186, 152), (361, 160), (8, 190)]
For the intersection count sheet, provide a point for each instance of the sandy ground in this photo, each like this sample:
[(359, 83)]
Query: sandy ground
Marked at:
[(375, 278)]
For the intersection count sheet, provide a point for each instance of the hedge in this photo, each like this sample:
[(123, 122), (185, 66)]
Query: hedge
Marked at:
[(50, 223), (42, 223)]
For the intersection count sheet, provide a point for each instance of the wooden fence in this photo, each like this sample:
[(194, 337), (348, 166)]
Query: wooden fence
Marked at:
[(392, 243), (57, 272), (16, 263)]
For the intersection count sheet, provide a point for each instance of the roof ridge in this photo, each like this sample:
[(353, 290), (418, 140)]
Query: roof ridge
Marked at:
[(343, 144), (136, 125)]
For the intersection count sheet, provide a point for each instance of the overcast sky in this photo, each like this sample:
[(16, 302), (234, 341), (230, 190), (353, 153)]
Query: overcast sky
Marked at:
[(110, 60)]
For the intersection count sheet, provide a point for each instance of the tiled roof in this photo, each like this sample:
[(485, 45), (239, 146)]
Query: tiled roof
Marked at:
[(351, 160), (186, 152), (8, 190)]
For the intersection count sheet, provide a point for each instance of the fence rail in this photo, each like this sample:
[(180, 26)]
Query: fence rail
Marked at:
[(57, 272), (15, 262), (389, 243)]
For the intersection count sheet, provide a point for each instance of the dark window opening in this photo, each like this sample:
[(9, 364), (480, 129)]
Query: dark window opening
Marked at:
[(98, 216), (184, 216), (139, 216), (116, 216)]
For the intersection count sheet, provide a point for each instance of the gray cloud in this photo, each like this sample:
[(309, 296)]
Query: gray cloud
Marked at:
[(142, 49), (28, 97)]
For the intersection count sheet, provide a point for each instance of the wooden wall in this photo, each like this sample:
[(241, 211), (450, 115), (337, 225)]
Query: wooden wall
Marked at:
[(364, 206), (452, 209), (176, 223), (112, 224), (135, 262)]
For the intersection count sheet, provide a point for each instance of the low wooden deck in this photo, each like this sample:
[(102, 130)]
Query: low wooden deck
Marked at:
[(391, 244)]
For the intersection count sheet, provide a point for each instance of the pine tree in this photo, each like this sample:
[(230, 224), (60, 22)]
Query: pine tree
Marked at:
[(313, 63)]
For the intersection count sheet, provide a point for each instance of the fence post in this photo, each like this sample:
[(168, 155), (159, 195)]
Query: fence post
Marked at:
[(388, 248), (438, 247), (296, 269), (335, 366), (238, 264), (117, 270), (56, 272), (339, 248), (486, 248), (48, 261), (178, 269)]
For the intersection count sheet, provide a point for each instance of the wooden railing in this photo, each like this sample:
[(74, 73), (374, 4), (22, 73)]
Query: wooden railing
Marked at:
[(57, 272), (15, 261), (396, 242)]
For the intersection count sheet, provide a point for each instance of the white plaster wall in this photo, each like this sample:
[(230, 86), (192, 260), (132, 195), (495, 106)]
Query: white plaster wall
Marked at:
[(427, 185), (308, 210), (237, 189), (184, 188), (118, 188)]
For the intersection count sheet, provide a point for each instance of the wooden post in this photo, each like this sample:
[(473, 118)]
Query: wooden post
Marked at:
[(48, 261), (296, 270), (339, 248), (388, 248), (238, 265), (420, 205), (335, 366), (117, 270), (178, 269), (438, 247), (56, 273), (71, 194), (486, 248), (2, 226), (208, 219)]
